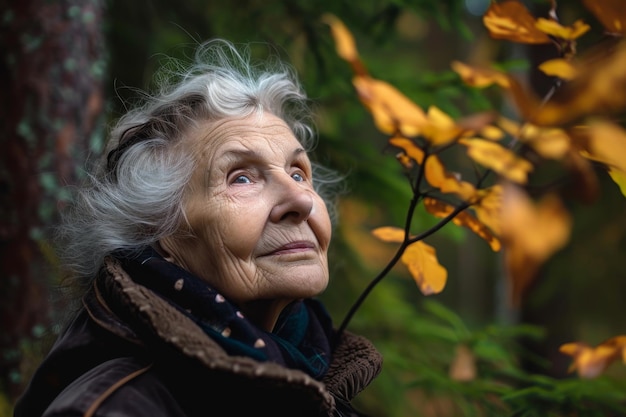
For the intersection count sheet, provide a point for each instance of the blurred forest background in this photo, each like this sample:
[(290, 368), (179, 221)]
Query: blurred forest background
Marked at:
[(69, 67)]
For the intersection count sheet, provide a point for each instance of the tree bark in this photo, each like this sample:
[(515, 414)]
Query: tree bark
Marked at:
[(52, 66)]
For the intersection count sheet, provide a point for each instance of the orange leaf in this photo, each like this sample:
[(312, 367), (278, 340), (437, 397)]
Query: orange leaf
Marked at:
[(480, 77), (509, 126), (429, 275), (589, 361), (392, 111), (611, 13), (553, 143), (389, 234), (344, 43), (598, 89), (437, 176), (498, 158), (558, 68), (488, 207), (511, 20), (440, 128), (440, 209), (554, 28), (607, 145), (409, 147), (531, 234)]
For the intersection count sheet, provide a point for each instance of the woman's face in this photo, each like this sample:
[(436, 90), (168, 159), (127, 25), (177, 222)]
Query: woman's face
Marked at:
[(259, 232)]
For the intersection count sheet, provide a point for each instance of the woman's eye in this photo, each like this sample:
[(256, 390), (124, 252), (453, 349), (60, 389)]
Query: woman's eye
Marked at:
[(298, 177), (242, 179)]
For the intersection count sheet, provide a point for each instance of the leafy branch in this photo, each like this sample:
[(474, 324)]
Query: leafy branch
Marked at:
[(576, 124)]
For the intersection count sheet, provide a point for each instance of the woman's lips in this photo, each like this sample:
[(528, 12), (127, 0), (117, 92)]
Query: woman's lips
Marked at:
[(292, 247)]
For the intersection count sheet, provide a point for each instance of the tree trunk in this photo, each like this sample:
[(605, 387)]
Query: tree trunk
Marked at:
[(52, 66)]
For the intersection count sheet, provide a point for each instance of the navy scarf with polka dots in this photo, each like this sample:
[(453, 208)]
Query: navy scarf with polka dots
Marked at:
[(301, 338)]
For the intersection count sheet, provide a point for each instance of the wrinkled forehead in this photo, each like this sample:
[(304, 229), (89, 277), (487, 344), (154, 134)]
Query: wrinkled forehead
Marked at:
[(209, 135)]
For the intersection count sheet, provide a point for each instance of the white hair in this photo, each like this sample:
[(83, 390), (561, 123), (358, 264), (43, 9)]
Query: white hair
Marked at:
[(135, 196)]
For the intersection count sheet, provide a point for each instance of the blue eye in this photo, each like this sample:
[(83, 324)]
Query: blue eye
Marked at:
[(297, 177), (242, 179)]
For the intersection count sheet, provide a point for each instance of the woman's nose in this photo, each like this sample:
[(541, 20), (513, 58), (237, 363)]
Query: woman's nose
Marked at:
[(294, 201)]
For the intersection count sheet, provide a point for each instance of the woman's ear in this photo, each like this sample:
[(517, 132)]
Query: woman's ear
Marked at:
[(163, 247)]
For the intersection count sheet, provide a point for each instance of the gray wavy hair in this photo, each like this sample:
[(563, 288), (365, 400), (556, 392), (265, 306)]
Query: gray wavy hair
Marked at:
[(134, 197)]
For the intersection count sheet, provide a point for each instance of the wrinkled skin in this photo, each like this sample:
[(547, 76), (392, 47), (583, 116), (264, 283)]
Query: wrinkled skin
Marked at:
[(257, 231)]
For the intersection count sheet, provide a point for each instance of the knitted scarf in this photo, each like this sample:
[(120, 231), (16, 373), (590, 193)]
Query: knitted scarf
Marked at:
[(301, 338)]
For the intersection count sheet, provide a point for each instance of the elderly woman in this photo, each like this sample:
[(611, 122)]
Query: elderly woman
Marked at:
[(202, 241)]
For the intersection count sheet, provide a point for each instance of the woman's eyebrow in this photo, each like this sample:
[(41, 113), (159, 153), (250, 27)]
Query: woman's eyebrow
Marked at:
[(254, 155)]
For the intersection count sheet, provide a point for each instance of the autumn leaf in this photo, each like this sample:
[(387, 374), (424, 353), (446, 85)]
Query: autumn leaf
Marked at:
[(437, 176), (511, 20), (484, 77), (552, 143), (498, 158), (421, 260), (439, 128), (554, 28), (389, 234), (511, 127), (480, 77), (493, 133), (611, 13), (344, 43), (559, 67), (605, 142), (488, 207), (392, 111), (441, 209), (599, 88), (410, 149), (531, 234), (590, 361)]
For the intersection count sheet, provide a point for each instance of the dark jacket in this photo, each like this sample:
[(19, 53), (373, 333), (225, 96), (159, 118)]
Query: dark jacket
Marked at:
[(139, 356)]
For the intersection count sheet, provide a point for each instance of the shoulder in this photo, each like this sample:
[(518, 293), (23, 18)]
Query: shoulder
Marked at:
[(119, 387), (356, 362)]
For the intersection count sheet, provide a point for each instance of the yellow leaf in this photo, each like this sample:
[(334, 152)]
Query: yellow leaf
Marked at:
[(611, 13), (498, 158), (463, 367), (531, 233), (393, 112), (480, 77), (440, 128), (492, 133), (428, 274), (619, 177), (440, 209), (598, 89), (409, 147), (606, 143), (344, 42), (554, 28), (437, 176), (511, 20), (558, 68), (389, 234), (553, 143), (488, 207), (590, 361), (509, 126)]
